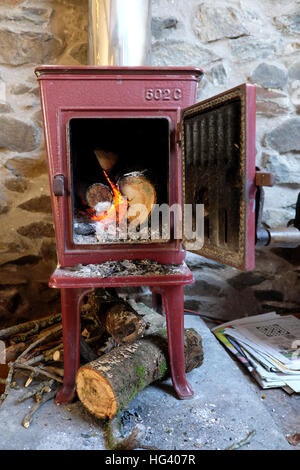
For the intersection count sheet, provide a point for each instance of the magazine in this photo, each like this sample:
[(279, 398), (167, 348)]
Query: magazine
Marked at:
[(269, 347)]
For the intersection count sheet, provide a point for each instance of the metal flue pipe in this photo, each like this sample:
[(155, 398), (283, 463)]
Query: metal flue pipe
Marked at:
[(120, 32)]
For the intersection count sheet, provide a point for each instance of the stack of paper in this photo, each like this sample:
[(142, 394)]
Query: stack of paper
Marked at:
[(268, 345)]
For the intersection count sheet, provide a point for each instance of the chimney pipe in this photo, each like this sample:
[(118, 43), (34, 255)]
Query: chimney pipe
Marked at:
[(120, 32)]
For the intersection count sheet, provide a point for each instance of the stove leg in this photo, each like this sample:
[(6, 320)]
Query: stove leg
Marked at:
[(173, 299), (70, 304)]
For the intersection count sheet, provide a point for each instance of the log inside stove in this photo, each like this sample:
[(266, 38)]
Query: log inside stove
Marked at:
[(129, 200)]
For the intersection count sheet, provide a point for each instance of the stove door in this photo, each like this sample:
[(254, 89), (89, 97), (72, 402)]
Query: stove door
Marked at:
[(218, 171)]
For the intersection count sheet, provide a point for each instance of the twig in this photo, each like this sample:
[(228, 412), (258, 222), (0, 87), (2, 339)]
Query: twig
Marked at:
[(38, 396), (27, 420), (38, 341), (38, 371), (243, 442), (55, 370), (42, 322), (46, 356), (7, 382), (23, 337), (35, 390), (30, 379)]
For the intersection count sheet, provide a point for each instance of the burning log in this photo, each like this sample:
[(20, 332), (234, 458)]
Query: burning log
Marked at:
[(140, 194), (97, 194), (107, 384), (107, 160)]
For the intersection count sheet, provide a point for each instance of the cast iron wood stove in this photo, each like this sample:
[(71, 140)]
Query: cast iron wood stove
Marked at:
[(200, 153), (123, 117)]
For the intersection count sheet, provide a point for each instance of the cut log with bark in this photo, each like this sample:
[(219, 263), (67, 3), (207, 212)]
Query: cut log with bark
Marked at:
[(99, 193), (107, 384), (123, 324), (154, 321), (140, 194)]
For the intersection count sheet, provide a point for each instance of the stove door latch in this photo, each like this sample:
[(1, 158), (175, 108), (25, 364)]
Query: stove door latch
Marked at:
[(58, 184)]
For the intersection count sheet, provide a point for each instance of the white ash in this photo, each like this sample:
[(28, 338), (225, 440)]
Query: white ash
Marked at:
[(125, 267), (102, 207), (100, 235)]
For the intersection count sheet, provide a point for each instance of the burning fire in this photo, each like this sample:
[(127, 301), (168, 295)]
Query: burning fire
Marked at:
[(116, 213)]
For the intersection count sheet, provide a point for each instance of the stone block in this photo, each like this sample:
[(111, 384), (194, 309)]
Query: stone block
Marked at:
[(160, 26), (19, 47), (80, 53), (294, 71), (28, 167), (251, 48), (48, 249), (5, 107), (174, 53), (204, 288), (37, 204), (12, 275), (19, 135), (246, 279), (4, 203), (218, 74), (269, 76), (285, 137), (289, 24), (286, 168), (16, 183), (9, 300), (273, 217), (37, 230), (212, 23)]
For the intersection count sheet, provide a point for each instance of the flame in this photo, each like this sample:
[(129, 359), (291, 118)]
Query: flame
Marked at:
[(117, 212)]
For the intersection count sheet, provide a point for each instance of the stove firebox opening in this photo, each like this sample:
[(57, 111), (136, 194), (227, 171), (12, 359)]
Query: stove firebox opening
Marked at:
[(119, 173)]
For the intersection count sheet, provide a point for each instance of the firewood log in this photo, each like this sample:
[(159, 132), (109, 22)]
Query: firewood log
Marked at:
[(154, 321), (107, 384), (140, 194), (107, 160), (123, 324), (98, 193)]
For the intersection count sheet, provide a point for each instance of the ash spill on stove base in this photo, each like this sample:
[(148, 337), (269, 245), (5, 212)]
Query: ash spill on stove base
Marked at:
[(124, 268)]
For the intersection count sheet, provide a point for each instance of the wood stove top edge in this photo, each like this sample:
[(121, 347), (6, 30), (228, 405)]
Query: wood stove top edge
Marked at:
[(45, 70)]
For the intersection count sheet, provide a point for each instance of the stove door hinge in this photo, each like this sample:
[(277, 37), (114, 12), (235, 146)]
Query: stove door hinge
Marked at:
[(178, 133)]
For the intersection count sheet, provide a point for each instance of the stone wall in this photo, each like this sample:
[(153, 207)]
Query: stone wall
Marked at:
[(233, 41)]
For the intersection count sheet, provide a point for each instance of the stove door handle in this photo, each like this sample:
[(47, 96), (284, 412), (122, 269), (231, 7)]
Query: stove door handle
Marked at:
[(58, 184)]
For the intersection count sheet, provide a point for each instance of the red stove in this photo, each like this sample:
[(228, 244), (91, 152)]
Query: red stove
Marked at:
[(200, 153), (147, 117), (102, 122)]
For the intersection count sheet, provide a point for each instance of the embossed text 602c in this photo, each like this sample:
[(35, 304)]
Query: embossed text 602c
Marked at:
[(163, 94)]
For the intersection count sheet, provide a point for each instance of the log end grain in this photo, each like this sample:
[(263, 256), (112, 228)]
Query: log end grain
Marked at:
[(96, 393)]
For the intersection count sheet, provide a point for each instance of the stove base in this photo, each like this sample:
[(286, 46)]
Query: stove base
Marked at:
[(166, 287)]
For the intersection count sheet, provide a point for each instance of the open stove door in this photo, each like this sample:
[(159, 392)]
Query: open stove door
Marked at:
[(218, 147)]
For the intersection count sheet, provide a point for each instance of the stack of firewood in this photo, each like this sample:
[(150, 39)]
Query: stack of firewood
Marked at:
[(123, 348)]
